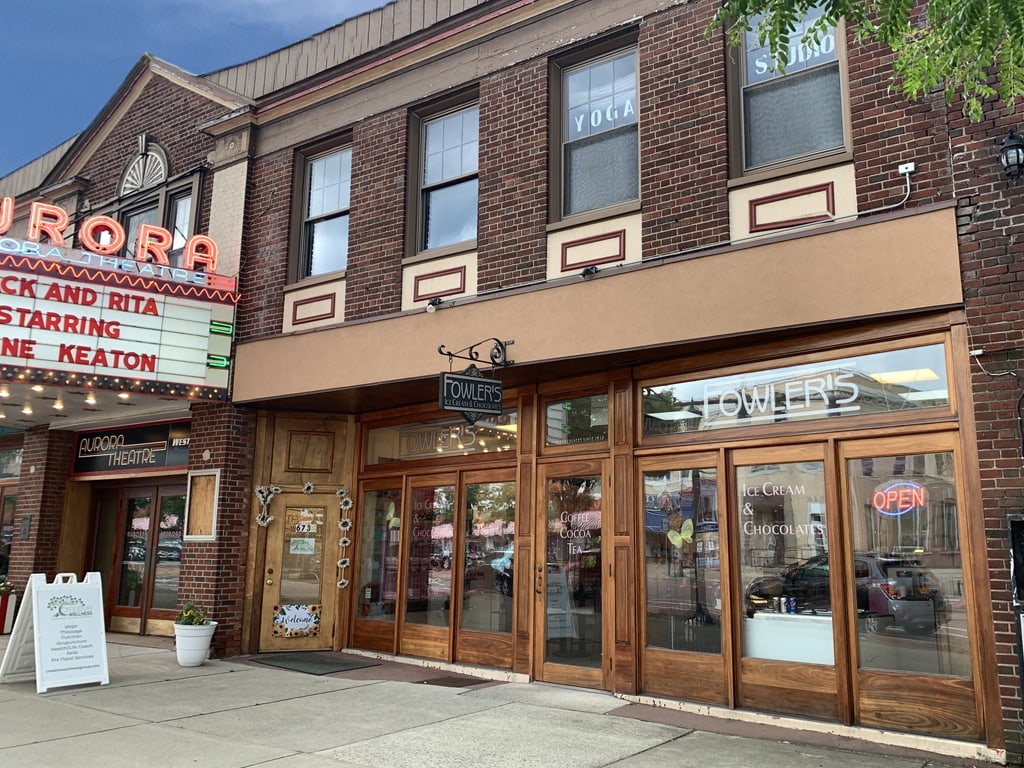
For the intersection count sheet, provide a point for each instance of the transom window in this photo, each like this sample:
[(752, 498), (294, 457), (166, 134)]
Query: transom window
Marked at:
[(149, 197), (449, 182), (793, 114), (600, 143), (328, 188)]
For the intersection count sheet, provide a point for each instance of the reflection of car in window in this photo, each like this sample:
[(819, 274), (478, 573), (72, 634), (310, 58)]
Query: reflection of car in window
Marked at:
[(890, 592), (503, 566)]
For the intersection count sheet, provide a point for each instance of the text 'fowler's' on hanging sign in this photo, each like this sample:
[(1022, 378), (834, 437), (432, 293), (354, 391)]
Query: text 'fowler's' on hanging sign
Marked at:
[(470, 393)]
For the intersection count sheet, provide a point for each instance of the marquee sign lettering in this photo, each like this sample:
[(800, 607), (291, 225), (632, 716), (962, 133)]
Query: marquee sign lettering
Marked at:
[(91, 318), (103, 236), (124, 449)]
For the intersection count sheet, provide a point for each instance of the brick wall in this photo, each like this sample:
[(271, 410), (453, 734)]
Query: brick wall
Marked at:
[(264, 265), (889, 130), (213, 572), (683, 139), (990, 218), (373, 284), (45, 464), (513, 208), (169, 114)]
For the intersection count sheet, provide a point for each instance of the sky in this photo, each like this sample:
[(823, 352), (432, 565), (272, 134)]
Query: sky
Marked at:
[(64, 60)]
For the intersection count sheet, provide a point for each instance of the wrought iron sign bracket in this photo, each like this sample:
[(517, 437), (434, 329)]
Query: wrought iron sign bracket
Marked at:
[(498, 353)]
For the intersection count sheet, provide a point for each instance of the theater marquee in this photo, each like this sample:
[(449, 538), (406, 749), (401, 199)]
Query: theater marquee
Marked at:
[(80, 318)]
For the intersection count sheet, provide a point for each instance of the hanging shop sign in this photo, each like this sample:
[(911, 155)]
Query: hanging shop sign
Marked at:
[(121, 449), (470, 394)]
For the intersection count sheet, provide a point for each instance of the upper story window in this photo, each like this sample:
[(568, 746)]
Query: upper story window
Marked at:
[(600, 158), (449, 184), (792, 115), (148, 196), (328, 188)]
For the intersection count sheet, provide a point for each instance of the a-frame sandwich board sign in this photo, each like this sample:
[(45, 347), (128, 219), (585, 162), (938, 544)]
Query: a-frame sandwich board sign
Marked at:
[(59, 633)]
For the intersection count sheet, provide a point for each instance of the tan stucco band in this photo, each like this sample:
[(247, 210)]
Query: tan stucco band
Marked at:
[(906, 264)]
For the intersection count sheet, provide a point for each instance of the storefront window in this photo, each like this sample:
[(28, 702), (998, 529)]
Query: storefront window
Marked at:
[(579, 420), (784, 563), (684, 601), (10, 463), (379, 541), (446, 437), (907, 565), (573, 602), (489, 557), (428, 588), (883, 382)]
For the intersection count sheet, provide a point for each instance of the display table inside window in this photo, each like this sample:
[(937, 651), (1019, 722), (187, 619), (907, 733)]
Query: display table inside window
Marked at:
[(799, 637)]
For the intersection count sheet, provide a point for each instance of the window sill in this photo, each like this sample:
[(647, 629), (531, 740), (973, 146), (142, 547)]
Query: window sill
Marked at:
[(791, 169), (454, 249), (601, 214), (326, 277)]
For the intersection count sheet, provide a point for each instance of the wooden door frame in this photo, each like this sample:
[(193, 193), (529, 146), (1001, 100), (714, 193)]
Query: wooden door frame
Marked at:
[(421, 639), (493, 649), (769, 684), (601, 678), (328, 581), (366, 633), (709, 677), (956, 707)]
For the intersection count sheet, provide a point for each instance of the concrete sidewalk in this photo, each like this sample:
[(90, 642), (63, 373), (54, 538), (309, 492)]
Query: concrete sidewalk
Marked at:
[(241, 712)]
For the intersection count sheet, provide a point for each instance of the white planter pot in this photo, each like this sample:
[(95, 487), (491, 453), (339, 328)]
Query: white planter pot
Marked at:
[(192, 642)]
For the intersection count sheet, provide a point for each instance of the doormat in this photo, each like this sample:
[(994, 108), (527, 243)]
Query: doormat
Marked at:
[(453, 682), (316, 662)]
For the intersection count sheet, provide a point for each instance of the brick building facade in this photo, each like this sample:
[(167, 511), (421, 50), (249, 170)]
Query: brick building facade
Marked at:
[(753, 349)]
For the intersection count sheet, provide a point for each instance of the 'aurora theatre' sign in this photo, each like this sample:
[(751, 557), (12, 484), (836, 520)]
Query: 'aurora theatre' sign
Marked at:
[(90, 317)]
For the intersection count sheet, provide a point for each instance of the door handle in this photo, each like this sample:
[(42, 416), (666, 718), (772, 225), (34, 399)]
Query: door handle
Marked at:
[(270, 581), (539, 585)]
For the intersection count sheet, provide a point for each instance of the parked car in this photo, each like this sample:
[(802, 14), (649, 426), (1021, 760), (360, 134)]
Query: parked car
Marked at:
[(893, 591), (441, 559)]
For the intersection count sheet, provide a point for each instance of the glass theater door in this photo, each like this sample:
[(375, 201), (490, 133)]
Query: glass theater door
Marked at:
[(147, 560), (569, 575)]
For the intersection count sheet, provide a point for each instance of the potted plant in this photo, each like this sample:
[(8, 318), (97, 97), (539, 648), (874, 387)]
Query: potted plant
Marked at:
[(8, 603), (192, 634)]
